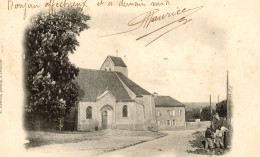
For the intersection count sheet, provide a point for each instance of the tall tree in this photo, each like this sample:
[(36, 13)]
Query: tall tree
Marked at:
[(193, 114), (221, 108), (205, 114), (49, 75)]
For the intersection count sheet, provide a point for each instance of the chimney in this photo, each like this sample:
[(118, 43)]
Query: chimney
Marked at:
[(155, 94)]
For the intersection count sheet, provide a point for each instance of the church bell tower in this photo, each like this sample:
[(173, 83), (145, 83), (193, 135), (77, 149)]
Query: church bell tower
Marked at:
[(116, 64)]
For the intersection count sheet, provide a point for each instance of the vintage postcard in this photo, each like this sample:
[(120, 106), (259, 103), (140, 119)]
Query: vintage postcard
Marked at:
[(130, 78)]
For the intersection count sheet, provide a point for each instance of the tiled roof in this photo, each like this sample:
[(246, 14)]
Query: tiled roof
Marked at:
[(117, 61), (139, 91), (167, 101), (96, 82)]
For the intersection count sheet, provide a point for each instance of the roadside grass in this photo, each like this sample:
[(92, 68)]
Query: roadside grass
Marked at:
[(108, 140), (39, 138)]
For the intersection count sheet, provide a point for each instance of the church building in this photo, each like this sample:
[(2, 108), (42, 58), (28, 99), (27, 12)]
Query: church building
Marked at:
[(112, 100)]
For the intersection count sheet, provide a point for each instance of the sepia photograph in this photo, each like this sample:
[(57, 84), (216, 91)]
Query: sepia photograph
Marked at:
[(131, 78)]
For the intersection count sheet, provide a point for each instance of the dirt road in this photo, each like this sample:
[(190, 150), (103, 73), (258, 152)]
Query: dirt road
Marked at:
[(173, 145)]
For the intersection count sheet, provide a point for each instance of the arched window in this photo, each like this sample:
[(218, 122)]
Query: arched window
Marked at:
[(125, 112), (89, 113)]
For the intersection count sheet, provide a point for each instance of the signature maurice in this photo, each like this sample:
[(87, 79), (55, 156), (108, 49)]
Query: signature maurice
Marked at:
[(145, 20)]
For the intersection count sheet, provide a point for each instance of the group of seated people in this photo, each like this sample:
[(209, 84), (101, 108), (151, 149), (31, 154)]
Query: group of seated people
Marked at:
[(215, 140)]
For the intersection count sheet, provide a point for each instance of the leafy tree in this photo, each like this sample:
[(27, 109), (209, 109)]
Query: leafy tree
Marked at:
[(205, 114), (193, 114), (49, 75), (221, 108)]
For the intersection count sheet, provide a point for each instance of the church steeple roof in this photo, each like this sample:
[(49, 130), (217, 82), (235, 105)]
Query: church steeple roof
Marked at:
[(117, 61)]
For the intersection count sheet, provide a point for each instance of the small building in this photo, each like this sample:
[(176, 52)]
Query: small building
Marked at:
[(170, 113), (112, 63), (113, 101)]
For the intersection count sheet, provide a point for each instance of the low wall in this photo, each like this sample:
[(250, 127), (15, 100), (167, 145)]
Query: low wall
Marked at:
[(168, 128), (197, 125), (135, 127), (93, 127)]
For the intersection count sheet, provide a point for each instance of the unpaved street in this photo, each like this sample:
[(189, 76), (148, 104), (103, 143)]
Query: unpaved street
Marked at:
[(86, 143), (173, 145)]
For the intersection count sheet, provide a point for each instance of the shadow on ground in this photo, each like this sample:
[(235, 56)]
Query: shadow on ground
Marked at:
[(198, 143)]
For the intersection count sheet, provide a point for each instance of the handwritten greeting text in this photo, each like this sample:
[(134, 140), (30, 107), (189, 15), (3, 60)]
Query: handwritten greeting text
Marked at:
[(51, 4), (155, 21), (145, 20)]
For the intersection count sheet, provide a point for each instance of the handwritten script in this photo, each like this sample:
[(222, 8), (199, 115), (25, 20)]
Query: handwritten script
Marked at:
[(51, 4), (154, 21), (146, 19)]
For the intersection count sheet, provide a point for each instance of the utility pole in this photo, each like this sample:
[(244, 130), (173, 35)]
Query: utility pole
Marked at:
[(210, 111), (228, 102), (229, 112), (227, 85)]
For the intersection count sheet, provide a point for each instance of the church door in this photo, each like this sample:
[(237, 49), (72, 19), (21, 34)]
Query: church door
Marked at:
[(104, 120)]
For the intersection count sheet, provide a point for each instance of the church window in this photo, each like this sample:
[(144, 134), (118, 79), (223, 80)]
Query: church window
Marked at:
[(125, 111), (89, 113)]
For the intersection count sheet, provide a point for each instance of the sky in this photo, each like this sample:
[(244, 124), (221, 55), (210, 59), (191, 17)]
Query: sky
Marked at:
[(223, 35), (188, 63)]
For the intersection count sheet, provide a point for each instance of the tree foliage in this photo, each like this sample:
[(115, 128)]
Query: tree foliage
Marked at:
[(49, 75), (205, 114), (221, 108), (193, 114)]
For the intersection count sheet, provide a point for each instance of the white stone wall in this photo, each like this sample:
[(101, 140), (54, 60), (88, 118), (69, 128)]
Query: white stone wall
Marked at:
[(131, 113), (85, 124), (134, 120), (90, 124), (149, 110)]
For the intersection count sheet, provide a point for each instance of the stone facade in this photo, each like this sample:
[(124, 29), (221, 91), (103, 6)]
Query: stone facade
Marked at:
[(134, 120), (112, 100), (170, 113), (170, 118)]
